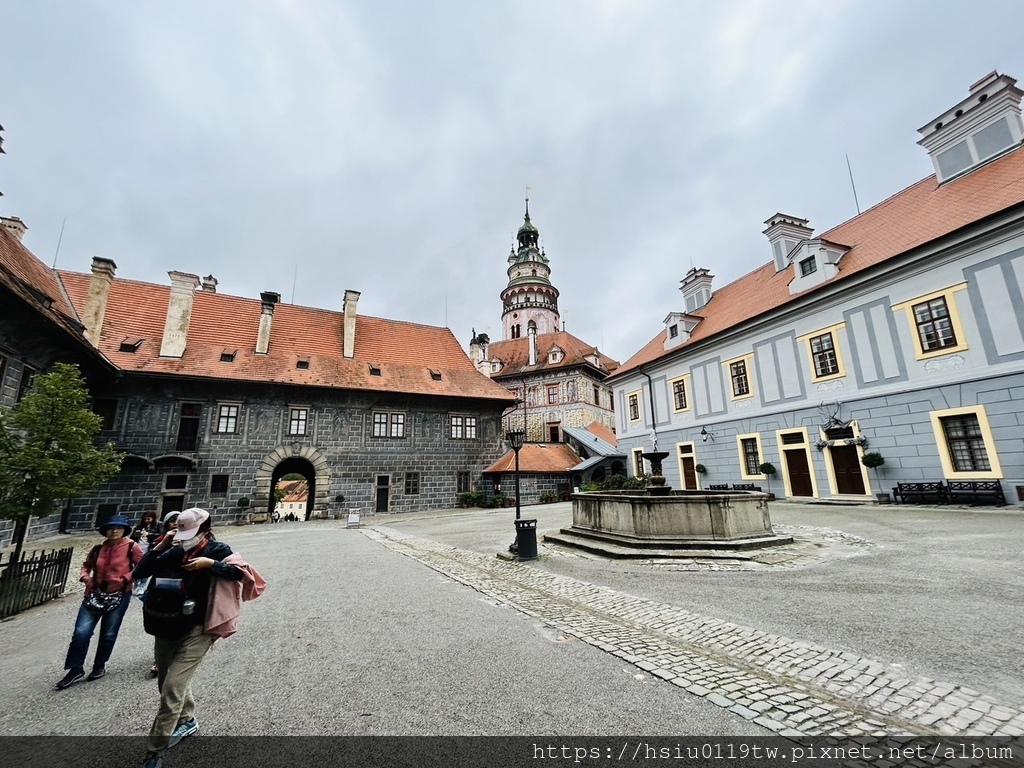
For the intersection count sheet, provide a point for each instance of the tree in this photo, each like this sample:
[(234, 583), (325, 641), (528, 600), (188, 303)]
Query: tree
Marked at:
[(873, 460), (47, 451), (768, 469)]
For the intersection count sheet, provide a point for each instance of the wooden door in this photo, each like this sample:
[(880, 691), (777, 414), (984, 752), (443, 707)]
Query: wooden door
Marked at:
[(689, 473), (799, 473), (846, 467), (383, 492)]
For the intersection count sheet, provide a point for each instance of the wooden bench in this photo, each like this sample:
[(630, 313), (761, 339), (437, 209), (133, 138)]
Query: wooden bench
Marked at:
[(976, 490), (905, 492), (746, 487)]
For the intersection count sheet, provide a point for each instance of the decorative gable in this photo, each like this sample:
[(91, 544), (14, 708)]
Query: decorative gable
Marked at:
[(556, 355)]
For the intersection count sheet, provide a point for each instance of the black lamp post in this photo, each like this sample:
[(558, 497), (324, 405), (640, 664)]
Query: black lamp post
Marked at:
[(515, 442), (525, 545)]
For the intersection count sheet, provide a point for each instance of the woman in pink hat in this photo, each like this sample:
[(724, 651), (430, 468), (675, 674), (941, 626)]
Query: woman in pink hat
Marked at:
[(107, 575), (174, 613)]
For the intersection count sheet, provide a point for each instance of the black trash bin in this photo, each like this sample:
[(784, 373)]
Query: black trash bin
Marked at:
[(526, 537)]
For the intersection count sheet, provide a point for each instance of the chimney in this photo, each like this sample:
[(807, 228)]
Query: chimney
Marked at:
[(531, 333), (478, 351), (14, 225), (210, 284), (96, 301), (981, 128), (696, 288), (351, 299), (784, 232), (269, 299), (179, 313)]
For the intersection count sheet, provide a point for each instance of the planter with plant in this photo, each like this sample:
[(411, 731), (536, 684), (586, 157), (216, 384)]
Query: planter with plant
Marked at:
[(873, 460), (244, 516), (768, 469)]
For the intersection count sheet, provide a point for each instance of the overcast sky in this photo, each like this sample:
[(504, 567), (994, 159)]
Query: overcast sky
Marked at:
[(313, 146)]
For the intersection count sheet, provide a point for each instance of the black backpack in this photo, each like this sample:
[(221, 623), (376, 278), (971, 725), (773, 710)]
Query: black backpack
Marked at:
[(163, 609)]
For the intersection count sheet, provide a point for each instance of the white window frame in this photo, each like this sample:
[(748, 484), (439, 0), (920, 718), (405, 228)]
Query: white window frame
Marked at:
[(748, 372), (756, 436), (232, 419), (950, 296), (304, 410), (684, 380), (994, 472)]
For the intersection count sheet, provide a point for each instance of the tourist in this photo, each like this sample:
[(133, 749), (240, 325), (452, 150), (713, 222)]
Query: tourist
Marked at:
[(147, 530), (174, 612), (107, 575), (167, 528)]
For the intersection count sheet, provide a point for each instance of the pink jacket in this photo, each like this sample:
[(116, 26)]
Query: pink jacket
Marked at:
[(226, 598)]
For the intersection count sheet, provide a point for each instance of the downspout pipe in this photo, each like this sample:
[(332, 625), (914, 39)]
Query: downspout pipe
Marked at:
[(654, 416)]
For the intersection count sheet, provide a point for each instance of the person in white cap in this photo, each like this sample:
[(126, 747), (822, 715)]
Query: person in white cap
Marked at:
[(174, 612)]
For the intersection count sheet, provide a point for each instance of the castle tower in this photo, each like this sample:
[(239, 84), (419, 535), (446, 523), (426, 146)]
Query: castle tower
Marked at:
[(529, 299)]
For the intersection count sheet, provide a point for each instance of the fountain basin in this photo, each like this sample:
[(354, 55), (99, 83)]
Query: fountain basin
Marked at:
[(681, 524)]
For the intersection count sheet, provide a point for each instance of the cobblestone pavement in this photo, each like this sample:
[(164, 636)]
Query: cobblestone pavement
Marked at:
[(791, 687)]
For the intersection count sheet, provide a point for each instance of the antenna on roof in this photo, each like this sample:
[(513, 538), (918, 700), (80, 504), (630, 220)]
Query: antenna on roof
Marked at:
[(295, 276), (59, 238), (850, 170)]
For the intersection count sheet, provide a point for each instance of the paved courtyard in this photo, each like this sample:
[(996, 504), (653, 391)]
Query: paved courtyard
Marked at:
[(877, 620)]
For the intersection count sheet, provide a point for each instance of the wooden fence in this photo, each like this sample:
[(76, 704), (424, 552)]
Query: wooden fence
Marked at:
[(35, 579)]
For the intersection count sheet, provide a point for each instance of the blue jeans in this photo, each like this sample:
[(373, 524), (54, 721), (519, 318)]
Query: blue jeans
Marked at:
[(85, 625)]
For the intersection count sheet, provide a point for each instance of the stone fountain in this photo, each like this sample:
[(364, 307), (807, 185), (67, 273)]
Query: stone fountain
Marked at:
[(661, 523)]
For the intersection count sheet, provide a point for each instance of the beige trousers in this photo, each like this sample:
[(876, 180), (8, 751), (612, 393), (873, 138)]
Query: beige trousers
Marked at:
[(177, 661)]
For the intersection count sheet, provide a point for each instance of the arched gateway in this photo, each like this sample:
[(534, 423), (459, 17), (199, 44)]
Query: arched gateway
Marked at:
[(298, 459)]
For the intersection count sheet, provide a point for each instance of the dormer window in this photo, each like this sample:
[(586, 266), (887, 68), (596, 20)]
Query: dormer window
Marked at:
[(435, 375), (131, 347), (374, 370), (302, 363), (228, 357), (814, 262), (678, 327)]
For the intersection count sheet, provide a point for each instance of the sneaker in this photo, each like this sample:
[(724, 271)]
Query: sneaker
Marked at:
[(184, 729), (153, 761), (72, 677), (97, 672)]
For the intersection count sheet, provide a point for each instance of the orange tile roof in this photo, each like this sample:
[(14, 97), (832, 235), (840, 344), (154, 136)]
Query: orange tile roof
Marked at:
[(406, 353), (22, 264), (601, 431), (914, 217), (538, 459), (515, 354), (294, 490)]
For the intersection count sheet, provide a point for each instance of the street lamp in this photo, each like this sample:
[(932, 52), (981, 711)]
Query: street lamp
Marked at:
[(525, 545), (515, 442)]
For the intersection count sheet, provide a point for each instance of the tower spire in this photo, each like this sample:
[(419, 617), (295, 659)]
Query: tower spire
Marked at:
[(529, 299)]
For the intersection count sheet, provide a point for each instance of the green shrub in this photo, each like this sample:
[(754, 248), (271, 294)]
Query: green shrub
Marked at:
[(473, 499), (618, 483)]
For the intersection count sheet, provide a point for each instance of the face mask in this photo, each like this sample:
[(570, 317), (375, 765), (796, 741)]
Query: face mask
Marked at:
[(189, 544)]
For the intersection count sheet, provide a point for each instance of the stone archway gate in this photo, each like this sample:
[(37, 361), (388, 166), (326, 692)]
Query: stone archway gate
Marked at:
[(265, 472)]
